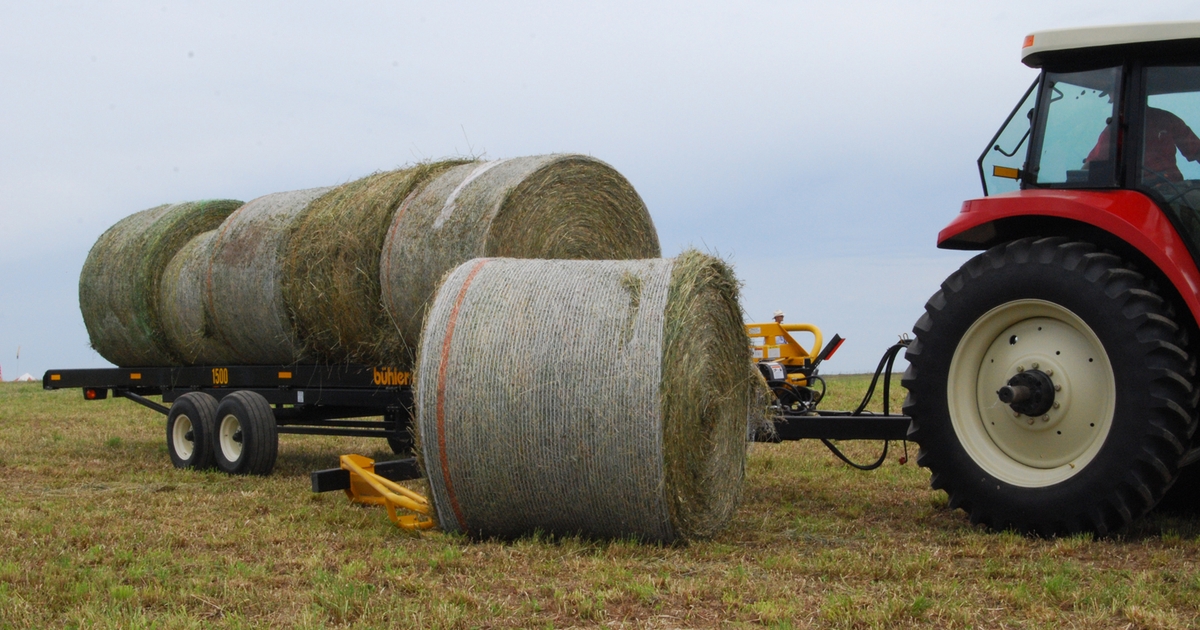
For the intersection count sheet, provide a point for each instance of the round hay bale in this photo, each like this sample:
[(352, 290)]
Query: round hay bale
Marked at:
[(243, 284), (331, 266), (602, 398), (119, 283), (550, 207), (190, 335)]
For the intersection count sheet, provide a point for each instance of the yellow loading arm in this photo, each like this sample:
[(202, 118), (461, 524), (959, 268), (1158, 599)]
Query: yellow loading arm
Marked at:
[(369, 488)]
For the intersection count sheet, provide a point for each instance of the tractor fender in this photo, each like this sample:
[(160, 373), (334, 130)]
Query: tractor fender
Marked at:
[(1126, 215)]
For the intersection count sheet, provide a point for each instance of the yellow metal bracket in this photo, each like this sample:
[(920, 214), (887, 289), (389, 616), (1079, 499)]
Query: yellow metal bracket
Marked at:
[(773, 342), (370, 489)]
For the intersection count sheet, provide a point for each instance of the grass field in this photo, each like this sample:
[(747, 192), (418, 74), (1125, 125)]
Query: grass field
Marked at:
[(98, 530)]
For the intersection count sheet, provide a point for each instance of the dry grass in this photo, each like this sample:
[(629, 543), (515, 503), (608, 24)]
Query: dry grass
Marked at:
[(96, 529)]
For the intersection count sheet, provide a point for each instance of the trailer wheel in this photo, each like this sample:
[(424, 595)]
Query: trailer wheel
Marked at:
[(247, 441), (190, 430), (1049, 390)]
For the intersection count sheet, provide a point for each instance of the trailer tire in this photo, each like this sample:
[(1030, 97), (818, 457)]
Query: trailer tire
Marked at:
[(247, 440), (190, 430), (1115, 407)]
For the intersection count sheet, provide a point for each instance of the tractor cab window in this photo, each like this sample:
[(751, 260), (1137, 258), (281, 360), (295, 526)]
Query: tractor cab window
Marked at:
[(1167, 165), (1075, 146), (1003, 160)]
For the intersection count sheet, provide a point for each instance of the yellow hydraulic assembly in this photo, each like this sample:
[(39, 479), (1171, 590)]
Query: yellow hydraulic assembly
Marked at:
[(790, 370), (773, 341), (371, 489)]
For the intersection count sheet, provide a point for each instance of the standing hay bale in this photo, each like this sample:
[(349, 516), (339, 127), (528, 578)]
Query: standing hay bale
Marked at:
[(331, 266), (190, 335), (119, 283), (243, 284), (549, 207), (602, 398)]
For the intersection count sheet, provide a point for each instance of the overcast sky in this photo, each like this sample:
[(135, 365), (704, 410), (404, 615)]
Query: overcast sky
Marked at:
[(817, 146)]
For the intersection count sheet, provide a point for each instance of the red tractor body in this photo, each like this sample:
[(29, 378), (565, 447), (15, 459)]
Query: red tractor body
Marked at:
[(1053, 384)]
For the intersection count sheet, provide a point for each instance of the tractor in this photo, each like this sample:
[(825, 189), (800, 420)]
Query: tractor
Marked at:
[(1052, 382)]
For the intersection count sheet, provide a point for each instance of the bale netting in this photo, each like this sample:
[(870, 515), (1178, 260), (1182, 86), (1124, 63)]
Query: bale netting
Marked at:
[(190, 335), (599, 398), (243, 283), (331, 266), (119, 284), (549, 207)]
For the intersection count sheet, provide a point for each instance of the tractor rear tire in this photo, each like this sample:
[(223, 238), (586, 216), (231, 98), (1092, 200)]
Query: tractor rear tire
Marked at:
[(247, 440), (190, 430), (1090, 333)]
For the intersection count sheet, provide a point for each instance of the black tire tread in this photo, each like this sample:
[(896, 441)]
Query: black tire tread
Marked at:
[(201, 409), (260, 436)]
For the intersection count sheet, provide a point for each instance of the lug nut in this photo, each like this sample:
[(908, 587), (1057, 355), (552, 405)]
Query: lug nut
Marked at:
[(1057, 387), (1035, 365), (1049, 372), (1046, 418), (1016, 414), (1057, 404), (1020, 368), (1029, 421)]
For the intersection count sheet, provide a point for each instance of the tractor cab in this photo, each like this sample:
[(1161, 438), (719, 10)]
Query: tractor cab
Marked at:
[(1115, 108)]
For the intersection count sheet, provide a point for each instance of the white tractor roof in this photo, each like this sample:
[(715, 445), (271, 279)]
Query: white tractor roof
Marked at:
[(1098, 36)]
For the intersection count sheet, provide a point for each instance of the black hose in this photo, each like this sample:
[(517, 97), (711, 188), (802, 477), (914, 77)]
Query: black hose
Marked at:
[(885, 366)]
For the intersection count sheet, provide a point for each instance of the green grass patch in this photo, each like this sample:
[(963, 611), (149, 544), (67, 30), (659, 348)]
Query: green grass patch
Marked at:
[(98, 530)]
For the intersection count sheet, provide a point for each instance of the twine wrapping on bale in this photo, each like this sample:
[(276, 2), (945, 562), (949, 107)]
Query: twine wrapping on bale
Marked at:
[(119, 283), (602, 398), (191, 336), (331, 266), (243, 284), (549, 207)]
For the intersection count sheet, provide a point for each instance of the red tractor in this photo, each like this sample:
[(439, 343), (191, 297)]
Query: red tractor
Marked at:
[(1052, 382)]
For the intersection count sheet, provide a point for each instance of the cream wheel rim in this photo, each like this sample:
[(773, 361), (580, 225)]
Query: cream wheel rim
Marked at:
[(179, 440), (230, 448), (1022, 450)]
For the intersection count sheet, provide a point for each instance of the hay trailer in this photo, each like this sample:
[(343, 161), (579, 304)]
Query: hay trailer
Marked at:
[(230, 417), (1052, 381)]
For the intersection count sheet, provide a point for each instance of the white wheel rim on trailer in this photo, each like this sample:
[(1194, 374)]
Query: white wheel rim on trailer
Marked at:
[(1017, 449), (179, 441), (230, 448)]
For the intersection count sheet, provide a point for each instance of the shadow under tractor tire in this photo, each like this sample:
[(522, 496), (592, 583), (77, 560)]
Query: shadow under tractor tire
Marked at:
[(1049, 389)]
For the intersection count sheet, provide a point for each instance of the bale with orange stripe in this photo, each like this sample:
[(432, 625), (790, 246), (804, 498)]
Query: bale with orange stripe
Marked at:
[(119, 283), (548, 206), (602, 398)]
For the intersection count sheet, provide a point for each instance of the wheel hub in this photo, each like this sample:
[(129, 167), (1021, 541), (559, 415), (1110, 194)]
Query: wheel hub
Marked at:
[(1030, 393)]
